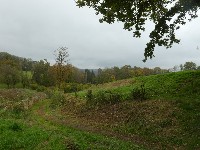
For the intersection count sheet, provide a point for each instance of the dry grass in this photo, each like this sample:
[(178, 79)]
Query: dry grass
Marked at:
[(19, 98), (127, 120)]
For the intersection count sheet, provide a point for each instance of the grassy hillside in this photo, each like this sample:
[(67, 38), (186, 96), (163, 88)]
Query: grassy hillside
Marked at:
[(150, 112), (169, 115), (177, 85)]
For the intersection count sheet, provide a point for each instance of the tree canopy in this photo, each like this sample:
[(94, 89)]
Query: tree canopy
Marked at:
[(61, 55), (190, 66), (167, 15)]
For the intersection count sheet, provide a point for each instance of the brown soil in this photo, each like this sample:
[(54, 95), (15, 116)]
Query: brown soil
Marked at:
[(106, 119)]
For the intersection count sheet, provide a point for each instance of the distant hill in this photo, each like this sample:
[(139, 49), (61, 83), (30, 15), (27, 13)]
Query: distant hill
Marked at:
[(5, 55), (25, 63)]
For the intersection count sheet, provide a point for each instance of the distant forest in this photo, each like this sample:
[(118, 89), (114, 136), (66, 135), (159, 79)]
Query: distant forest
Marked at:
[(17, 70)]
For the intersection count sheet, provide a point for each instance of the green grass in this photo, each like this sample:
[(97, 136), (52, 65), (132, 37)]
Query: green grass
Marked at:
[(178, 85), (29, 130), (14, 135), (170, 116), (28, 73), (3, 86), (17, 135), (181, 90), (83, 139)]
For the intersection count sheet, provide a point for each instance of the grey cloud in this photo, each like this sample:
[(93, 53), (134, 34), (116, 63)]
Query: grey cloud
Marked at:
[(35, 28)]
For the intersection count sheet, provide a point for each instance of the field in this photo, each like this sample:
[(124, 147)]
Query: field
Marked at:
[(150, 112), (26, 123)]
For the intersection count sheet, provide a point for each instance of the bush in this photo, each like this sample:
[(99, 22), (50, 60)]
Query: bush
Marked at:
[(89, 95), (85, 86), (58, 99), (49, 93), (103, 97), (74, 87), (39, 88), (33, 86), (15, 127), (139, 93), (70, 88)]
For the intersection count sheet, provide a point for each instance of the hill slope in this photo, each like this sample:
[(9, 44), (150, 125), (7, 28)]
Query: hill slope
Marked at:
[(108, 117), (184, 84), (168, 116)]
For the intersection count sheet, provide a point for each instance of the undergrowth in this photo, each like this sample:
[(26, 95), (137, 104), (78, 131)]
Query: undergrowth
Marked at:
[(35, 131), (181, 90)]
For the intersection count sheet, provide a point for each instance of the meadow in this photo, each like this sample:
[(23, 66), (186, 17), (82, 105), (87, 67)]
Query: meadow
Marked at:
[(147, 112)]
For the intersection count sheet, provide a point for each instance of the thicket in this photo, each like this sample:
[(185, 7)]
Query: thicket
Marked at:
[(25, 71), (103, 97), (56, 97), (139, 93), (74, 87)]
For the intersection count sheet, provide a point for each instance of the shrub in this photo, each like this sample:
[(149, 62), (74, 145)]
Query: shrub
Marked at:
[(86, 86), (33, 86), (89, 95), (103, 97), (49, 92), (70, 88), (58, 99), (139, 93), (40, 88), (15, 127)]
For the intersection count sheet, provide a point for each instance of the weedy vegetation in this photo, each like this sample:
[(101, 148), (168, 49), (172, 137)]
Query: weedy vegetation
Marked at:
[(147, 112)]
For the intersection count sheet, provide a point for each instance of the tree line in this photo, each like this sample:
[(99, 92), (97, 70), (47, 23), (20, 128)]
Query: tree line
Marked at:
[(64, 75), (185, 67)]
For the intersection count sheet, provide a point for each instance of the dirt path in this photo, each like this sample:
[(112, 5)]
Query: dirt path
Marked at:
[(80, 123)]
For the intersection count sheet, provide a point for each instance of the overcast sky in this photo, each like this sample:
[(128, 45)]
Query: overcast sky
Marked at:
[(35, 28)]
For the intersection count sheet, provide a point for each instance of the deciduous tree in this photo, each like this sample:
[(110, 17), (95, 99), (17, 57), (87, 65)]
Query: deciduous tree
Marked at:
[(9, 75), (10, 70), (190, 66), (41, 73), (61, 57), (167, 15)]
